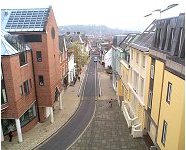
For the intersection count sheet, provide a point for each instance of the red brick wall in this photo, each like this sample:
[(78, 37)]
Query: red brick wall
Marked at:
[(42, 68), (54, 55), (42, 112), (14, 76)]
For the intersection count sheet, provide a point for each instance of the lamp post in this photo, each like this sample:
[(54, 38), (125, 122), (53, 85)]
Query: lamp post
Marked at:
[(157, 12)]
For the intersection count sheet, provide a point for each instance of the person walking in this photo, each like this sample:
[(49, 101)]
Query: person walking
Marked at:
[(78, 78), (110, 103), (10, 134)]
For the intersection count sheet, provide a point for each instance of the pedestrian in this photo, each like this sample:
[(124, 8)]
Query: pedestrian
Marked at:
[(110, 103), (10, 134), (78, 78)]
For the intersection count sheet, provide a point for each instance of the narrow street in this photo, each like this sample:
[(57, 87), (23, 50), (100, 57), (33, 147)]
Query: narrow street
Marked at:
[(69, 133)]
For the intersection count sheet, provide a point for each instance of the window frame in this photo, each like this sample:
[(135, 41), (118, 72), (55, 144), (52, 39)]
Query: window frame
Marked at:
[(152, 70), (41, 82), (143, 61), (137, 57), (142, 86), (39, 53), (25, 58), (150, 96), (21, 89), (164, 132), (169, 92), (131, 54), (26, 87), (30, 82)]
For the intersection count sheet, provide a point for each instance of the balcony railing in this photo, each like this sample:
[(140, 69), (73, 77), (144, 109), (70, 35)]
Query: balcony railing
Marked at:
[(128, 114)]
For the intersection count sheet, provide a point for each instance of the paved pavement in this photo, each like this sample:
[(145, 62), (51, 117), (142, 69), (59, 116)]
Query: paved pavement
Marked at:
[(108, 130), (42, 131)]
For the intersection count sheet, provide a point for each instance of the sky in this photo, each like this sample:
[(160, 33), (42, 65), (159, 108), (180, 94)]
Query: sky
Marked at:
[(122, 14)]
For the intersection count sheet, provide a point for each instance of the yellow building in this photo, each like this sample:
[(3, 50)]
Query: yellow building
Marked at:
[(124, 80), (165, 79), (134, 108)]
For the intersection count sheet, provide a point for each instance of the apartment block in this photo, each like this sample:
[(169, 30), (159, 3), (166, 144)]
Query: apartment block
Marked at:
[(40, 68), (165, 98)]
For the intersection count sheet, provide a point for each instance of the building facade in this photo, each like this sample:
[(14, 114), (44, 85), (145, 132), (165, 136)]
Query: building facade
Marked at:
[(36, 84), (165, 98), (18, 102)]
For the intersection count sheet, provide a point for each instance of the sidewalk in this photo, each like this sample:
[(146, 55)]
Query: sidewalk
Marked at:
[(108, 129), (43, 131)]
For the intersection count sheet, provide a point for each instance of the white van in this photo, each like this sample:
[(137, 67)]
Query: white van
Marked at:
[(95, 59)]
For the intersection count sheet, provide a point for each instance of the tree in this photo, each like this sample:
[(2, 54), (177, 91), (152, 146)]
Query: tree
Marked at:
[(80, 55)]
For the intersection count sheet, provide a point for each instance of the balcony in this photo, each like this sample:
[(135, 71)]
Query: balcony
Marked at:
[(128, 114), (131, 120), (137, 131)]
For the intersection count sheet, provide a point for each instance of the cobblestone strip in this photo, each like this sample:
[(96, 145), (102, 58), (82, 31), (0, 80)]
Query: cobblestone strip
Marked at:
[(108, 130)]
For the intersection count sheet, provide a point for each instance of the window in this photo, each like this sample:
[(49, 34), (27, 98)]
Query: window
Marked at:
[(3, 92), (150, 100), (142, 85), (39, 56), (7, 125), (180, 38), (3, 97), (30, 83), (152, 71), (29, 115), (41, 80), (21, 89), (135, 84), (164, 132), (26, 87), (137, 58), (143, 61), (23, 58), (169, 91), (131, 54), (33, 38), (170, 39)]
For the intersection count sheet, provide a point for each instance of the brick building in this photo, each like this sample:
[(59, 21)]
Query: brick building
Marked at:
[(37, 28), (18, 100)]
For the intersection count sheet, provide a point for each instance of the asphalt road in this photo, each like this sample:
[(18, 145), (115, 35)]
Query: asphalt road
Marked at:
[(72, 130)]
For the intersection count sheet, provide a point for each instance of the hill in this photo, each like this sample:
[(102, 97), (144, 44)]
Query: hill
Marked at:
[(92, 30)]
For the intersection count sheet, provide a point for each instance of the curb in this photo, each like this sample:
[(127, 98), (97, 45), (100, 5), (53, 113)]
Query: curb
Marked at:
[(53, 134)]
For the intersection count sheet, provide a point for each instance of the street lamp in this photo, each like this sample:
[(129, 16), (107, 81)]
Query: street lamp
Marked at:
[(161, 11)]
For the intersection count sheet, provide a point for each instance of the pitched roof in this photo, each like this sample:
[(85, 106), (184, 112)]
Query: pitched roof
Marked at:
[(144, 41), (169, 36), (24, 19), (128, 39), (118, 39)]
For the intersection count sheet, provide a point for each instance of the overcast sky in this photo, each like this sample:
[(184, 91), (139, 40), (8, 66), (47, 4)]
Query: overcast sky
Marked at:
[(123, 14)]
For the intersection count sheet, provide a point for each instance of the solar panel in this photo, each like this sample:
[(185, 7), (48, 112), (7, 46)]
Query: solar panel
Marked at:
[(27, 19)]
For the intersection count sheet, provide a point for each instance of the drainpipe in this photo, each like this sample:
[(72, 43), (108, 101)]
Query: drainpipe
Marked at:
[(35, 85)]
